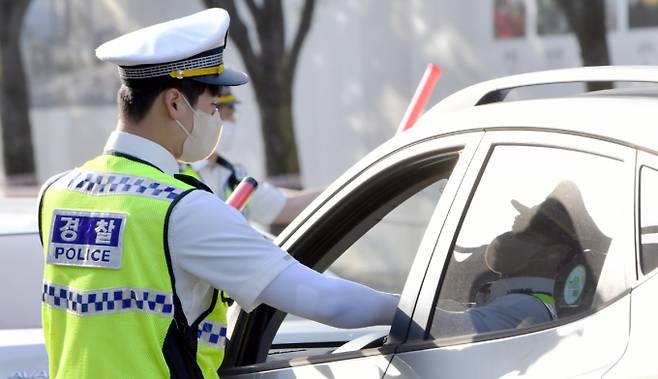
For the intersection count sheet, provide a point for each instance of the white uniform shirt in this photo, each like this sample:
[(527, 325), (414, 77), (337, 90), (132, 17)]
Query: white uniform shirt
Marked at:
[(264, 205), (210, 243)]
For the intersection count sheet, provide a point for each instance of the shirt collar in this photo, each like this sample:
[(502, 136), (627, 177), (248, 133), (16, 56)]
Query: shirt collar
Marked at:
[(200, 165), (144, 149)]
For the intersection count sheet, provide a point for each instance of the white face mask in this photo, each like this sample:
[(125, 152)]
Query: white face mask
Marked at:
[(206, 132), (228, 135)]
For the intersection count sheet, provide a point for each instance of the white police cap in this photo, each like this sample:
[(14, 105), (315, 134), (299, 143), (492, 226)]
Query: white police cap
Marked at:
[(188, 47)]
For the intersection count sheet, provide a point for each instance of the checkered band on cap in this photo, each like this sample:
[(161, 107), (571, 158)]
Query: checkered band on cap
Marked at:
[(165, 69), (212, 333), (103, 184), (108, 300)]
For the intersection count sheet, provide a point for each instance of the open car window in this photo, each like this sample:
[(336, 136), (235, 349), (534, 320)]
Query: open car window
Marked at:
[(380, 258), (377, 250), (368, 231)]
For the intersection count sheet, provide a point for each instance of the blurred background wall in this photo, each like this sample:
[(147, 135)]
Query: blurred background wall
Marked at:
[(358, 68)]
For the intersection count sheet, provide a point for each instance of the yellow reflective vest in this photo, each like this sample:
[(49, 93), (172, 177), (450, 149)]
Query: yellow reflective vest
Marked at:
[(110, 308)]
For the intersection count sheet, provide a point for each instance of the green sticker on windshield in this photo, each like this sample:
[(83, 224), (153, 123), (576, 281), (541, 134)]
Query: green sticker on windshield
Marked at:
[(574, 285)]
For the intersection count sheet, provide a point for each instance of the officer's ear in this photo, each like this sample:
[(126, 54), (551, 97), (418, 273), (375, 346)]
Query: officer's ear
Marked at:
[(173, 103)]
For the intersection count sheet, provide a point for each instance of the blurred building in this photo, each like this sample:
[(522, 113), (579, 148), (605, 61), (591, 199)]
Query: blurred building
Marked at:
[(358, 70)]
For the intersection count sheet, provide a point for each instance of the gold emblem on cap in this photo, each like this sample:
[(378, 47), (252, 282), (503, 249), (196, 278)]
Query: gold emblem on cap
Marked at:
[(226, 99), (180, 74)]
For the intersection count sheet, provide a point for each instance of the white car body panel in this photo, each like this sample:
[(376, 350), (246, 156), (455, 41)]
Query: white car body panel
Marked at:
[(640, 358), (22, 272), (586, 348), (23, 354), (299, 330), (22, 348), (618, 117), (362, 368)]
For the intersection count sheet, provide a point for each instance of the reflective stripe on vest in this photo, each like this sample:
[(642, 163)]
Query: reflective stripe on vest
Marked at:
[(211, 335), (89, 307), (106, 184), (109, 300)]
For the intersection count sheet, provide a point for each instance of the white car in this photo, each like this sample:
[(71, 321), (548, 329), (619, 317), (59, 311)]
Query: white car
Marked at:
[(570, 180), (578, 173)]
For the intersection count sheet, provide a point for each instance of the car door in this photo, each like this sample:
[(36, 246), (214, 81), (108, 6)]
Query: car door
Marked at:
[(638, 361), (376, 225), (458, 331)]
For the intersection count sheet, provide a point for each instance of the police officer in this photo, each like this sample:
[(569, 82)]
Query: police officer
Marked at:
[(269, 204), (136, 256)]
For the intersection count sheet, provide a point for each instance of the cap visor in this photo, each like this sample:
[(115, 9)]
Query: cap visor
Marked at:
[(519, 207), (227, 78)]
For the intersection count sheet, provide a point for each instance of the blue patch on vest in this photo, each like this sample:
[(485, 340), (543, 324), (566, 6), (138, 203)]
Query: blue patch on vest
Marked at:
[(87, 238)]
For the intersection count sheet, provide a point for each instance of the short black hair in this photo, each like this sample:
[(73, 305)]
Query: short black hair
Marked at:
[(136, 96)]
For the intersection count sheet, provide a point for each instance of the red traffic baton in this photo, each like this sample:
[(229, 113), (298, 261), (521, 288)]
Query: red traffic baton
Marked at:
[(242, 193), (423, 92)]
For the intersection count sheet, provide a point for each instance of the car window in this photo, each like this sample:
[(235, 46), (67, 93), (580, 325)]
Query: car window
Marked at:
[(381, 258), (532, 246), (648, 219)]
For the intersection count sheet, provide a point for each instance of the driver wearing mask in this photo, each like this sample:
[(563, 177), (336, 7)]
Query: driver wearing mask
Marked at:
[(527, 259)]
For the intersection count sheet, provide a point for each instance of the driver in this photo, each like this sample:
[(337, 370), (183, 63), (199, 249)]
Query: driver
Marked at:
[(527, 259)]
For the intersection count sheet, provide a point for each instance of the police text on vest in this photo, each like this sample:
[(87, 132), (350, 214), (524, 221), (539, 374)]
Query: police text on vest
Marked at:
[(86, 238)]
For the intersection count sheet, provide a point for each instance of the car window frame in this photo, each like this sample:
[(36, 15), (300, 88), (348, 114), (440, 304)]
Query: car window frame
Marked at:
[(465, 144), (543, 138), (650, 161)]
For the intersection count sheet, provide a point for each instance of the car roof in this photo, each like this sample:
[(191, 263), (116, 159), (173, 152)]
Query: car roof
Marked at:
[(623, 115)]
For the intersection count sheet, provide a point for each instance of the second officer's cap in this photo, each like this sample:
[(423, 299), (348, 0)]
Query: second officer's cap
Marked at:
[(189, 47), (226, 97)]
